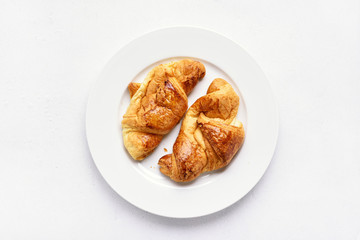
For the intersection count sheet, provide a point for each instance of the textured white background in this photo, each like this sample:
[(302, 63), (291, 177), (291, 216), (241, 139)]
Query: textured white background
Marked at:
[(51, 53)]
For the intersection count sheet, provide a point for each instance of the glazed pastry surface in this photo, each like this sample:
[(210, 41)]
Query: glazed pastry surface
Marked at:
[(158, 104), (209, 136)]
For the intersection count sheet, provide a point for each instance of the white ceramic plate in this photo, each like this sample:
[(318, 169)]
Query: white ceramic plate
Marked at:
[(141, 183)]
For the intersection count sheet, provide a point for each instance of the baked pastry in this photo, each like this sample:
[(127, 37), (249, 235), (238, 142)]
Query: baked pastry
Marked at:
[(158, 104), (209, 136)]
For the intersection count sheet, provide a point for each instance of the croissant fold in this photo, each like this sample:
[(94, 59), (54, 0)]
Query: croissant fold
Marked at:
[(209, 136), (158, 104)]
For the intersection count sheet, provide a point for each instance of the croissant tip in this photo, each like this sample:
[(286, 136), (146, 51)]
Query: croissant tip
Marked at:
[(165, 164)]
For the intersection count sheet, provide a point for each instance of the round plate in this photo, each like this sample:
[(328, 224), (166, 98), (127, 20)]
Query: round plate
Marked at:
[(141, 183)]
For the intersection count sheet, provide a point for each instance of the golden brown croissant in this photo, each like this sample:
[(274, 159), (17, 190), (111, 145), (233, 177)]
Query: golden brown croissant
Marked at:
[(158, 104), (209, 136)]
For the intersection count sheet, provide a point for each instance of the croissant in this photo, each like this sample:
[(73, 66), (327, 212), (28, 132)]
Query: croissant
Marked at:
[(158, 104), (209, 136)]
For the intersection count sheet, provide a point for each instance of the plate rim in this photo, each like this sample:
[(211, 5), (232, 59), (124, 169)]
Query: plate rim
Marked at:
[(111, 61)]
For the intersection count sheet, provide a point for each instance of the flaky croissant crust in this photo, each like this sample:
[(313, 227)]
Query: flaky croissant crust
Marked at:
[(158, 104), (209, 136)]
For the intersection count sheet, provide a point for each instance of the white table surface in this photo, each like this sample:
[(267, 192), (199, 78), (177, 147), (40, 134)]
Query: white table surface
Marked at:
[(51, 53)]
